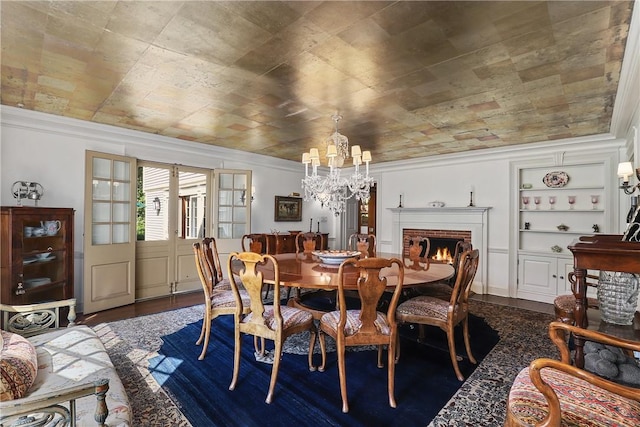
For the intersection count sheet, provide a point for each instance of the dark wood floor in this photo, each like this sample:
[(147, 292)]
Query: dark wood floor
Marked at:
[(185, 300)]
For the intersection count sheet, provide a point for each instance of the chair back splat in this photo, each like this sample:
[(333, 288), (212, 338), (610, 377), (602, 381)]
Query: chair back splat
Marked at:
[(367, 325), (365, 243), (272, 322)]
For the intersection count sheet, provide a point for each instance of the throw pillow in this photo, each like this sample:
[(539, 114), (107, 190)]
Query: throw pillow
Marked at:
[(632, 233), (18, 366)]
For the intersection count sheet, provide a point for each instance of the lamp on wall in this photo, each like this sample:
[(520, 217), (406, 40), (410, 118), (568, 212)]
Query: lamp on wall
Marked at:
[(243, 195), (157, 205), (625, 170)]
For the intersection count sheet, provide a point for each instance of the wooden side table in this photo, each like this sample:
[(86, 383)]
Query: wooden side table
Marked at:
[(601, 252)]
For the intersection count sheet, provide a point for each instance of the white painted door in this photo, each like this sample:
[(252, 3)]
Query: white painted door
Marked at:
[(109, 231), (349, 222), (232, 210)]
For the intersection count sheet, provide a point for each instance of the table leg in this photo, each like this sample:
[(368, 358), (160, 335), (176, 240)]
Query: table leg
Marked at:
[(580, 313)]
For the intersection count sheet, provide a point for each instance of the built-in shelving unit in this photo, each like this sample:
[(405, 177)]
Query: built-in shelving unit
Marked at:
[(572, 201)]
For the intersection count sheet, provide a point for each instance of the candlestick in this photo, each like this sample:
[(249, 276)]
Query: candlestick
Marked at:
[(400, 205), (318, 226), (471, 200), (310, 224)]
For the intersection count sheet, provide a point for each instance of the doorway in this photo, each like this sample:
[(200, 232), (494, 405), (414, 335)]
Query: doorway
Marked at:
[(171, 214)]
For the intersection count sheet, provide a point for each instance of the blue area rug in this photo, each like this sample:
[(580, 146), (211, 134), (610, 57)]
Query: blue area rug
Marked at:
[(424, 381)]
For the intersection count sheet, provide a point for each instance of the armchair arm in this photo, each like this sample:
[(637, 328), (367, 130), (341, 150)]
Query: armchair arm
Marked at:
[(557, 331), (33, 319), (47, 404), (554, 415)]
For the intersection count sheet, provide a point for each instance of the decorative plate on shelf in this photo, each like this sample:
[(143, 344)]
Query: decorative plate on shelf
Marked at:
[(555, 179), (335, 257)]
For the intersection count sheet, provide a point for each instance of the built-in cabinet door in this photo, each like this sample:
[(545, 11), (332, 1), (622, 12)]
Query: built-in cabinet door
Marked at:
[(542, 278), (109, 231)]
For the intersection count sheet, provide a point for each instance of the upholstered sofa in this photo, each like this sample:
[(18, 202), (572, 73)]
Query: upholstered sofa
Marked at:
[(60, 375)]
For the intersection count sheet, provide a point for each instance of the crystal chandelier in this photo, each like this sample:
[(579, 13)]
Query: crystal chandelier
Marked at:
[(333, 190)]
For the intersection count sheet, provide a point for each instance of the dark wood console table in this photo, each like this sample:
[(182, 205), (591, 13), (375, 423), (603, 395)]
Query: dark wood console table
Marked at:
[(600, 252)]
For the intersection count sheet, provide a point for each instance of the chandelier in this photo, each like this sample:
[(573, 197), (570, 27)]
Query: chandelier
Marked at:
[(333, 190)]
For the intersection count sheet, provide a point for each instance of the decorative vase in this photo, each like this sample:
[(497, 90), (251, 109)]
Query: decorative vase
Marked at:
[(618, 297)]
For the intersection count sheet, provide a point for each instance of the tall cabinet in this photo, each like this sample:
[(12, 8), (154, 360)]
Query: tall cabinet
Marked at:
[(36, 254), (555, 205)]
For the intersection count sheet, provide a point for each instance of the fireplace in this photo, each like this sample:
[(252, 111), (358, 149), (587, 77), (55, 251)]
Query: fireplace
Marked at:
[(467, 223), (442, 242)]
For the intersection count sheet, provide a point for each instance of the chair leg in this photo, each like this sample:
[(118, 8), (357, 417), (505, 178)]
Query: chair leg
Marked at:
[(236, 358), (343, 377), (380, 365), (312, 347), (397, 348), (206, 326), (323, 350), (452, 353), (274, 369), (391, 352), (467, 342)]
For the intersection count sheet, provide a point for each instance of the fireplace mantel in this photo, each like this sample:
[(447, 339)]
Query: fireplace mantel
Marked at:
[(474, 219)]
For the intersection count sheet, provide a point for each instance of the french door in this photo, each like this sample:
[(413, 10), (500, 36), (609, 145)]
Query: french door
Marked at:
[(109, 231), (172, 214)]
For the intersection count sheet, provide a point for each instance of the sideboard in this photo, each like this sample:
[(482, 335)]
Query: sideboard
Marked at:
[(280, 243)]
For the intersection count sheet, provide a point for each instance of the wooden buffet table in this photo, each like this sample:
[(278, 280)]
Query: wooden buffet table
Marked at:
[(602, 252)]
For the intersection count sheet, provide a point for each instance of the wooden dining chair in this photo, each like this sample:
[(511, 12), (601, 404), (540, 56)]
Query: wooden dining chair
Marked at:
[(419, 248), (443, 288), (218, 297), (366, 325), (365, 243), (272, 322), (427, 310), (307, 242), (255, 242)]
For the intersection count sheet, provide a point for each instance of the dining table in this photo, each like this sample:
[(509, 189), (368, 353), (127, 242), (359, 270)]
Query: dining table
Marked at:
[(308, 271)]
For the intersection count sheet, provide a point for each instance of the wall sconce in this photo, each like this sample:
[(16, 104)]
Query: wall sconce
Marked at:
[(243, 195), (625, 170), (157, 205)]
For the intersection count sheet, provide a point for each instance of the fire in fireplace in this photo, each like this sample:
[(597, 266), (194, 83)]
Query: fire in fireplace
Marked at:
[(442, 242), (442, 250)]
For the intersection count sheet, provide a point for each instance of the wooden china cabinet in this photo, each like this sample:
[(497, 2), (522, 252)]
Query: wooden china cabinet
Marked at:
[(36, 254)]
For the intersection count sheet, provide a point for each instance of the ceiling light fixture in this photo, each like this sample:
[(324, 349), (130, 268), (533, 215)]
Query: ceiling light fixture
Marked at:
[(332, 190)]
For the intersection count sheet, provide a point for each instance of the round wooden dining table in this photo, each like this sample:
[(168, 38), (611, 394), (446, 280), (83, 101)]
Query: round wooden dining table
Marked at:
[(308, 272)]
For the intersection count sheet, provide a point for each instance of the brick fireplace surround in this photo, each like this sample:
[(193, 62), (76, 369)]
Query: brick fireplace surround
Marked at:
[(468, 223)]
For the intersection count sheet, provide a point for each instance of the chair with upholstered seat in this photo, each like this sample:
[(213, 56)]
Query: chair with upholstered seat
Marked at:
[(555, 393), (364, 326), (444, 288), (272, 322), (218, 297), (308, 242), (419, 253), (255, 242), (564, 305), (428, 310), (365, 243)]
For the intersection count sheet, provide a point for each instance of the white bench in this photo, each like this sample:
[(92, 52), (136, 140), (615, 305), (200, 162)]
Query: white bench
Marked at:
[(75, 381)]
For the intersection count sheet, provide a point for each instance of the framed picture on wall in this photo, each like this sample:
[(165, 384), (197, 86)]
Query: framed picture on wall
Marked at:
[(288, 208)]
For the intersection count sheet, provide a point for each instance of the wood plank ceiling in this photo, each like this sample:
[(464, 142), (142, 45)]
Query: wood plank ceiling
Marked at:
[(410, 79)]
